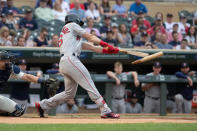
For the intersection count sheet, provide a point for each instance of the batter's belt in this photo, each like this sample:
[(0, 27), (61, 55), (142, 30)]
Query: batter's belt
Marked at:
[(74, 54)]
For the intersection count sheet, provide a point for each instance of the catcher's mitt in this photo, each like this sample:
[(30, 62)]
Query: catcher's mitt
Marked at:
[(51, 84)]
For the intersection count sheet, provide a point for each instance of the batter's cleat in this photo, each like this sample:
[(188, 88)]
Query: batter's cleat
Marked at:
[(110, 115), (39, 109)]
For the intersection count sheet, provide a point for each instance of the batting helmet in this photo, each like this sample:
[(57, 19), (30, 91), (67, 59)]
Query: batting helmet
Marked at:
[(73, 18), (4, 55)]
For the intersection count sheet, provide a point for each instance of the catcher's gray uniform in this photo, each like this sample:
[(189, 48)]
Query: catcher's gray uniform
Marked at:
[(118, 92), (152, 99), (73, 70)]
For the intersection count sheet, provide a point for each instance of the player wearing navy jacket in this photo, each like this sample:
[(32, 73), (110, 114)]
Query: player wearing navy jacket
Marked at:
[(185, 90)]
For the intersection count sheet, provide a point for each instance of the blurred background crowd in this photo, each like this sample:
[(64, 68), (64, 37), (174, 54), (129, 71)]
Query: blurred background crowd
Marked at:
[(120, 26)]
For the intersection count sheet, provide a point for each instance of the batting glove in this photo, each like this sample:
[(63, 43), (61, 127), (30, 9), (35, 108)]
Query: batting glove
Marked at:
[(110, 50)]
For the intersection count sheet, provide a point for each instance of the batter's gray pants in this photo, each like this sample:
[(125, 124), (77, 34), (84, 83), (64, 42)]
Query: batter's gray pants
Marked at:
[(74, 73)]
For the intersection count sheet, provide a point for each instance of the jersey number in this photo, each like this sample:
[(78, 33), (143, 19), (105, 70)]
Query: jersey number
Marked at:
[(60, 40), (64, 31)]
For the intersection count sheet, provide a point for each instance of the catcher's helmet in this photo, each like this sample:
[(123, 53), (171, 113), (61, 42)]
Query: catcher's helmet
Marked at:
[(4, 55), (73, 18)]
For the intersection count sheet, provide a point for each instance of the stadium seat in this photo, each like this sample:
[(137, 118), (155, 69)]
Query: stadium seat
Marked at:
[(98, 25), (35, 33), (42, 23), (19, 32), (56, 22), (85, 25), (129, 19), (114, 18), (23, 9), (188, 15), (150, 19), (55, 26)]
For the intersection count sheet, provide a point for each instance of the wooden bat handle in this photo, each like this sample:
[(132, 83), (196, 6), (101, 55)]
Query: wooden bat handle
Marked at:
[(123, 51), (150, 57), (135, 53)]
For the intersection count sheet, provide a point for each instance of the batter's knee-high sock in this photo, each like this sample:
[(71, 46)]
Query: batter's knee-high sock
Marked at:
[(103, 106), (7, 104)]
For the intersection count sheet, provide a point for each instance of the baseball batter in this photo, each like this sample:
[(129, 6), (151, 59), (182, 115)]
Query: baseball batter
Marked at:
[(74, 72), (9, 70)]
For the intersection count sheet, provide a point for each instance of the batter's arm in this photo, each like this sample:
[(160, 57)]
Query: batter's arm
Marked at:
[(90, 46), (91, 38)]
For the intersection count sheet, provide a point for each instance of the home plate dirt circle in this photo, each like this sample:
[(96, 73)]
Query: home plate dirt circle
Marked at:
[(94, 119)]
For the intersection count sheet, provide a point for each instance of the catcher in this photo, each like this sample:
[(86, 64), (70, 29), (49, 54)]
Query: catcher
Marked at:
[(8, 70)]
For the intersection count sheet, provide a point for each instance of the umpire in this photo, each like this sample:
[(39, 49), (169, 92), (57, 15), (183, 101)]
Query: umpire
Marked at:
[(152, 92)]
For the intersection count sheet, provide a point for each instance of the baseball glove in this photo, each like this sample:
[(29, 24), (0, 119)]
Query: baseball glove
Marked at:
[(51, 84)]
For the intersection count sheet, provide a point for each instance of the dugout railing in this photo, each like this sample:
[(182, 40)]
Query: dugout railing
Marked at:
[(47, 55)]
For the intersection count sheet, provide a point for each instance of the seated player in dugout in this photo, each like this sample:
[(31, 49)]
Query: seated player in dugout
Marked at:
[(68, 107), (118, 89), (132, 105), (8, 70)]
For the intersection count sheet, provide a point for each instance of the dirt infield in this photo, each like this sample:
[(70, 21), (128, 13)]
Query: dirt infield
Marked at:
[(94, 118)]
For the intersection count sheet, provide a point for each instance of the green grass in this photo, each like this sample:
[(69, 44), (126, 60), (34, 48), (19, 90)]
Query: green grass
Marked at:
[(99, 127)]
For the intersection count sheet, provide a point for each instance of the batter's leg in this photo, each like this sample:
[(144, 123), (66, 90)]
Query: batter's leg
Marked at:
[(69, 93), (80, 74)]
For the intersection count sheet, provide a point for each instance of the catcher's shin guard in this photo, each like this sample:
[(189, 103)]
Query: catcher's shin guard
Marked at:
[(20, 110)]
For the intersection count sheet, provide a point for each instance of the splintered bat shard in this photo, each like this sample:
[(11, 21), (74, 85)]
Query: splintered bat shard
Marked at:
[(147, 58)]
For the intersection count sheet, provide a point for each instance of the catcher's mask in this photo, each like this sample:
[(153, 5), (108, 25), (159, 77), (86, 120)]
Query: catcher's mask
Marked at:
[(9, 58)]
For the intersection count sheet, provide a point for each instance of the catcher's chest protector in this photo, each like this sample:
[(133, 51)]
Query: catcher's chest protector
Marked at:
[(4, 75)]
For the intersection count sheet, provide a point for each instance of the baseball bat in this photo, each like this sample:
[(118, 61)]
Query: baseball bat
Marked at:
[(147, 58), (136, 53)]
